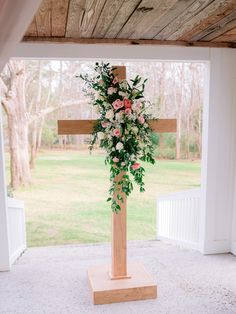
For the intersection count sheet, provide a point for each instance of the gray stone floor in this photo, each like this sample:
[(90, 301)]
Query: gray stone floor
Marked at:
[(53, 280)]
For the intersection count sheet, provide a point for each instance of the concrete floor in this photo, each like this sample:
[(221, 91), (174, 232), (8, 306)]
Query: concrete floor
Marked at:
[(53, 280)]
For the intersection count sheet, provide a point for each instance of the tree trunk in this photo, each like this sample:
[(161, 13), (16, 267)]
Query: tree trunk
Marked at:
[(19, 155)]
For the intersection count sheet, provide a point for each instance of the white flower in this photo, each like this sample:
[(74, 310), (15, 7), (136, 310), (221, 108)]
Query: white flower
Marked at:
[(119, 146), (110, 114), (135, 130), (123, 94), (111, 90), (123, 84), (123, 164), (113, 149), (101, 136)]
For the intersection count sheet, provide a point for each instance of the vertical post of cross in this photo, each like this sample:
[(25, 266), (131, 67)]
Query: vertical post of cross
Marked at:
[(119, 224)]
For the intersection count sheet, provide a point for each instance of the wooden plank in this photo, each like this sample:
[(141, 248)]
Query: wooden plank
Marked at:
[(106, 17), (108, 41), (119, 237), (82, 17), (119, 71), (144, 9), (181, 19), (161, 22), (32, 29), (229, 36), (43, 18), (59, 17), (152, 17), (198, 18), (226, 24), (163, 125), (220, 13), (126, 10), (66, 127), (141, 285)]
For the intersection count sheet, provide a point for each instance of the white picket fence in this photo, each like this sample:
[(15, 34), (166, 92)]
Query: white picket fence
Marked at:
[(17, 232), (178, 218)]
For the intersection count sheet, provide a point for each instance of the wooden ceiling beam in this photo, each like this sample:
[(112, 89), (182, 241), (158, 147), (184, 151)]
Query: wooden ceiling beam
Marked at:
[(220, 13), (103, 41), (229, 36), (178, 22)]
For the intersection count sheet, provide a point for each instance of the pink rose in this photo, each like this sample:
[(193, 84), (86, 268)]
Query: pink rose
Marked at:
[(127, 103), (139, 104), (128, 111), (135, 166), (111, 90), (141, 119), (116, 80), (117, 133), (117, 104), (115, 159), (104, 124)]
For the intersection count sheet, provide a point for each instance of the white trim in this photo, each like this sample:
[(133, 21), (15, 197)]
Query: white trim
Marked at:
[(110, 52), (4, 232), (15, 17)]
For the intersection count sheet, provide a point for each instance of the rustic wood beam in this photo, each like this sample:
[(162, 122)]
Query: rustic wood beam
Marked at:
[(67, 40), (66, 127)]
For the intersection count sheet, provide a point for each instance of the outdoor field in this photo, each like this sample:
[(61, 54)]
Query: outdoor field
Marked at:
[(66, 202)]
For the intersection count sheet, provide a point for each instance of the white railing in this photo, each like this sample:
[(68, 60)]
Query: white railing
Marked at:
[(17, 233), (178, 216)]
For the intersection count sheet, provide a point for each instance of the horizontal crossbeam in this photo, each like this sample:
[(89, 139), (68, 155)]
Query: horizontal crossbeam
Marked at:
[(70, 127)]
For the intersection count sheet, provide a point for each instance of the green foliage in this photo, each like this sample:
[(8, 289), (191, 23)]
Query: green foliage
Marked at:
[(49, 136), (10, 191), (122, 129)]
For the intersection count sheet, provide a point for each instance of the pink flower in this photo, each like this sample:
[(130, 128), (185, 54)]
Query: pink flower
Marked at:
[(104, 124), (115, 159), (128, 111), (135, 166), (111, 90), (116, 80), (117, 133), (117, 104), (141, 119), (127, 103)]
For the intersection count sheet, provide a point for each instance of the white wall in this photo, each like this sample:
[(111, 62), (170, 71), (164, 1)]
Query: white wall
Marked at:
[(15, 16), (218, 160)]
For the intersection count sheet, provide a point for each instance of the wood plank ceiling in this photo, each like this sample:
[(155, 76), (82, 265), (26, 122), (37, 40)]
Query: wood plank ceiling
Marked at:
[(179, 22)]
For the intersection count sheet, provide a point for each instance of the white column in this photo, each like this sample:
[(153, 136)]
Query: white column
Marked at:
[(218, 156), (4, 236)]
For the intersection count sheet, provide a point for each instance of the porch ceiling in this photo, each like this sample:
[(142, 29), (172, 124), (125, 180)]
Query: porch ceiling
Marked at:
[(177, 22)]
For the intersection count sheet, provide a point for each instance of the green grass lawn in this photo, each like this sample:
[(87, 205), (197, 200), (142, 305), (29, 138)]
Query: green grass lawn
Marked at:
[(66, 202)]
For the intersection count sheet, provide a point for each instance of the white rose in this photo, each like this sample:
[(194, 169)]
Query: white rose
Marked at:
[(110, 114), (119, 146), (135, 130), (101, 136), (123, 94)]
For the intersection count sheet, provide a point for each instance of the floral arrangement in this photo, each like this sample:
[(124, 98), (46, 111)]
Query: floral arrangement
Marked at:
[(122, 129)]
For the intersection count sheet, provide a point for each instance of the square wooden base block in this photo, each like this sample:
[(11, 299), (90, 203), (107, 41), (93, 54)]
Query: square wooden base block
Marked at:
[(140, 286)]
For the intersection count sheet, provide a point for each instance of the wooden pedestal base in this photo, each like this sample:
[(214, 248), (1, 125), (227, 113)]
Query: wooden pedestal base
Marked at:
[(140, 286)]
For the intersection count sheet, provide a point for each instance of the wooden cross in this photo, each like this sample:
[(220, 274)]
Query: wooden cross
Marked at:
[(119, 234)]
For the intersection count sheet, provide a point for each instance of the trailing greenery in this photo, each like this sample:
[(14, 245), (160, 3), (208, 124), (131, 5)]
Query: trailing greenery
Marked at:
[(122, 129)]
